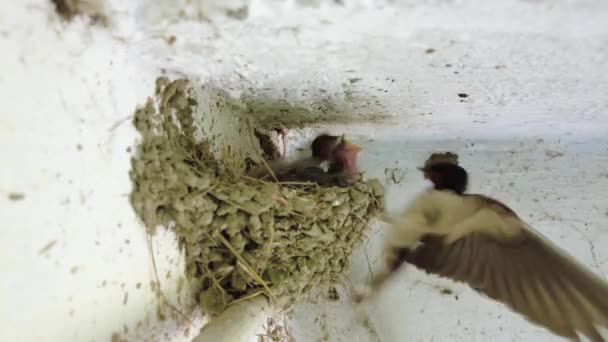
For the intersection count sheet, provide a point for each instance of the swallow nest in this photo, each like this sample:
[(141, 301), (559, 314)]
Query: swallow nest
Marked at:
[(243, 237)]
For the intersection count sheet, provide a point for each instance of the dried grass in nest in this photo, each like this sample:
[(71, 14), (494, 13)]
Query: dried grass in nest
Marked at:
[(243, 237)]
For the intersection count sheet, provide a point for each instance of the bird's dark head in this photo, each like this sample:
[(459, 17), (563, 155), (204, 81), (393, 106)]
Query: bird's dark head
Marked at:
[(447, 176), (323, 146)]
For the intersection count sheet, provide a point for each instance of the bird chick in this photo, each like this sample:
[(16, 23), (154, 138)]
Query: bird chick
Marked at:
[(321, 151), (478, 240), (341, 156), (343, 161)]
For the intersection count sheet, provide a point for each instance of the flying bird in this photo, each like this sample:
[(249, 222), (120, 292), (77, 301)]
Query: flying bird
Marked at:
[(478, 240), (339, 153)]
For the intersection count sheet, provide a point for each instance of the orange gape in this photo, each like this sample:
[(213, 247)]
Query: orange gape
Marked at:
[(344, 160)]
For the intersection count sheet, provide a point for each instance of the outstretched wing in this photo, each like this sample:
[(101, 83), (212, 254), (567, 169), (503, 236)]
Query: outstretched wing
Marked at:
[(527, 273)]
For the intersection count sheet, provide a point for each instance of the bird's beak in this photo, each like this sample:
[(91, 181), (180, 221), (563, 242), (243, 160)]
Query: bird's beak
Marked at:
[(424, 170)]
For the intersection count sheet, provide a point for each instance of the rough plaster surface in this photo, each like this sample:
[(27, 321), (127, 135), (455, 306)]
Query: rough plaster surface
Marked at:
[(531, 176), (532, 129)]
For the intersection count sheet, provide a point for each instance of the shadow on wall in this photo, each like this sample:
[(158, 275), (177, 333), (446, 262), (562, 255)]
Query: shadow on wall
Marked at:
[(226, 120)]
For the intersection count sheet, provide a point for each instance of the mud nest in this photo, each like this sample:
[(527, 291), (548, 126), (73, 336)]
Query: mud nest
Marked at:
[(242, 236)]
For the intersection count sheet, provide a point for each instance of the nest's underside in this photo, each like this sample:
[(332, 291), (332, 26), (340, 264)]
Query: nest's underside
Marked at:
[(242, 236)]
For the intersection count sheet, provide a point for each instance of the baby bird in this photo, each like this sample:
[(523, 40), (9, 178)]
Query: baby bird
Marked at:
[(321, 149), (339, 153), (478, 240), (343, 161), (341, 156)]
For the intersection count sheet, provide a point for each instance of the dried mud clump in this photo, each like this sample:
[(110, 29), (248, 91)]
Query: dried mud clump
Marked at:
[(94, 9), (243, 237)]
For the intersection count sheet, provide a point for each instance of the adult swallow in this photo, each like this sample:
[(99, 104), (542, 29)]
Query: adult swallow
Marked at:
[(480, 241)]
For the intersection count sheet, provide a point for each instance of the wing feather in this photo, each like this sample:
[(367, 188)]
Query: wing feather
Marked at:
[(527, 273), (547, 301)]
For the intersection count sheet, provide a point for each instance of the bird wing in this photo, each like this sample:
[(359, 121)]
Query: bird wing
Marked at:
[(526, 272)]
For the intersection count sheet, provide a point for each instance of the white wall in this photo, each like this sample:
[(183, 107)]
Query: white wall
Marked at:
[(532, 69), (560, 195), (75, 260)]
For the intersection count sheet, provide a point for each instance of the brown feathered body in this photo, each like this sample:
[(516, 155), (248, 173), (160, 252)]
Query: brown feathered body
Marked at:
[(480, 241)]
